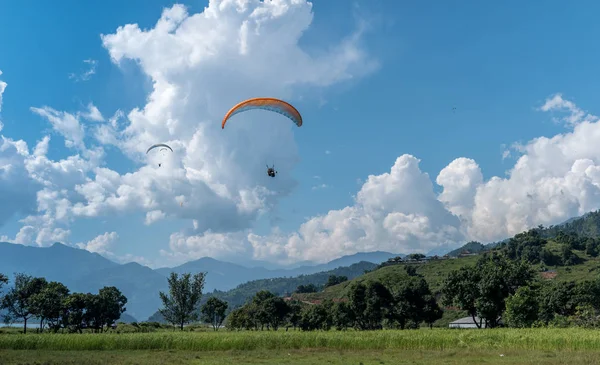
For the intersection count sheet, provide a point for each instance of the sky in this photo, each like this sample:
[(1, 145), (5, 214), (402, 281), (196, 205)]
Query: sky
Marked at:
[(426, 125)]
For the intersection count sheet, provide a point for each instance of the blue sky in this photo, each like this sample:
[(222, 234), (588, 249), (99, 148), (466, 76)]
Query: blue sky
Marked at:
[(497, 64)]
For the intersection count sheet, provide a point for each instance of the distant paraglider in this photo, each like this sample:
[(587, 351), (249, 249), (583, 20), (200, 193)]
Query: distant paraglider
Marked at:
[(165, 147), (271, 171), (270, 104)]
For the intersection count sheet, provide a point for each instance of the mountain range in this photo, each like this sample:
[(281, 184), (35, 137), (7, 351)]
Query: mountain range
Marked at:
[(83, 271)]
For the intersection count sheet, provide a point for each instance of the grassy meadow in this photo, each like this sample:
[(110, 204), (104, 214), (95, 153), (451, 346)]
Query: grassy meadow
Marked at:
[(424, 346)]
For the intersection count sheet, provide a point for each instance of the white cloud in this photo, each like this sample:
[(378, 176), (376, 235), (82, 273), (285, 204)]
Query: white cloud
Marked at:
[(212, 176), (396, 211), (87, 74), (93, 114), (552, 180), (215, 178), (3, 86), (574, 115), (64, 123), (320, 186), (101, 244)]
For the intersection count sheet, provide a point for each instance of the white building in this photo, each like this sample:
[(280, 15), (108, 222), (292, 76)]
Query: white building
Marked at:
[(467, 322)]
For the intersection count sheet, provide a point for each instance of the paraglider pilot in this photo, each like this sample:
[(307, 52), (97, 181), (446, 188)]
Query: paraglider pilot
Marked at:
[(271, 171)]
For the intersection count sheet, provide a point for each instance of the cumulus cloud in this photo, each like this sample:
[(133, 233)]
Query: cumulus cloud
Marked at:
[(2, 88), (87, 73), (552, 180), (202, 64), (395, 211), (100, 244)]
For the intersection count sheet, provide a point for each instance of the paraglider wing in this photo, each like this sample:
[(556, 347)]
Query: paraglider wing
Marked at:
[(271, 104), (159, 145)]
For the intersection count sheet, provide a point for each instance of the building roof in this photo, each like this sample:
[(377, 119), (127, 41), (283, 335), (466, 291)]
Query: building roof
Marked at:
[(465, 320)]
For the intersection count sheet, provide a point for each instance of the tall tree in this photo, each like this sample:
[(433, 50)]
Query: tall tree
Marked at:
[(522, 308), (48, 304), (112, 305), (213, 312), (295, 314), (278, 310), (460, 289), (18, 300), (74, 312), (182, 304)]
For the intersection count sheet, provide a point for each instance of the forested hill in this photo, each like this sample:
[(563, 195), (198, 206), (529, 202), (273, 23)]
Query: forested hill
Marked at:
[(280, 286), (566, 252)]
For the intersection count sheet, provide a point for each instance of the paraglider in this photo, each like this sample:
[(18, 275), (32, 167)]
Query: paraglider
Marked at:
[(270, 104), (162, 149), (271, 171)]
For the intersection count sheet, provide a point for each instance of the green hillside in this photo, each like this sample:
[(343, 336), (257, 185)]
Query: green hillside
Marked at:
[(544, 248)]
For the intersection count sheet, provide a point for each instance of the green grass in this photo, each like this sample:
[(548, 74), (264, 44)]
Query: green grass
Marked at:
[(296, 357), (571, 339)]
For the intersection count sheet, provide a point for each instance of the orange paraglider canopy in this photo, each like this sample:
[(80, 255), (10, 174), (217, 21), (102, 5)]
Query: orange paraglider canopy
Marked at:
[(271, 104)]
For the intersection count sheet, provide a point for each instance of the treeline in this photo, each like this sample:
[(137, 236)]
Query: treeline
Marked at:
[(54, 305), (532, 247), (371, 305), (501, 291)]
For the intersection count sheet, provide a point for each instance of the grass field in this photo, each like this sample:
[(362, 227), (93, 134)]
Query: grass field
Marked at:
[(425, 346), (571, 339), (296, 357)]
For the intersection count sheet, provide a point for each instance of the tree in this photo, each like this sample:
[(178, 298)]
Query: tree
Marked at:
[(371, 303), (460, 289), (112, 305), (334, 280), (181, 305), (317, 317), (239, 319), (522, 308), (482, 290), (410, 270), (415, 257), (295, 314), (431, 311), (591, 248), (343, 317), (73, 316), (568, 257), (500, 278), (48, 304), (3, 280), (278, 310), (213, 312), (18, 300), (310, 288)]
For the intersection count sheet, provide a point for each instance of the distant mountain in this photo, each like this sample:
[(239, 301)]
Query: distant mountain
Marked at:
[(226, 276), (83, 271), (138, 283)]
